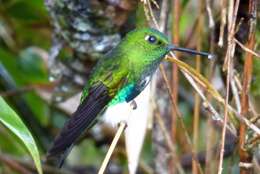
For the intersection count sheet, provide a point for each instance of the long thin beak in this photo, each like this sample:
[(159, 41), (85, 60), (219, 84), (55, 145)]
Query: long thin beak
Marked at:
[(190, 51)]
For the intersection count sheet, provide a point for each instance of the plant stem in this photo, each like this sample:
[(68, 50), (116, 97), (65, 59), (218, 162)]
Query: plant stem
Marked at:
[(120, 130)]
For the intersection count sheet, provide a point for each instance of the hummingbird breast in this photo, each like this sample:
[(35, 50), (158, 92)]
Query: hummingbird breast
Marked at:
[(143, 78)]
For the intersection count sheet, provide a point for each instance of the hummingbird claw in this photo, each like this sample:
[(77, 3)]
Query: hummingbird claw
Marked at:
[(133, 104)]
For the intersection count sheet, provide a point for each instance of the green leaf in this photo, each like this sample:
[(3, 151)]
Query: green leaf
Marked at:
[(32, 66), (27, 10), (12, 121), (26, 68), (184, 3)]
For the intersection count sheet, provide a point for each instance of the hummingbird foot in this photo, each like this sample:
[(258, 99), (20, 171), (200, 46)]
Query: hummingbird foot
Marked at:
[(133, 104)]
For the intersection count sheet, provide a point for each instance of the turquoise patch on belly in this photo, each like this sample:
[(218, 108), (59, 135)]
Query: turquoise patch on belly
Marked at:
[(122, 95)]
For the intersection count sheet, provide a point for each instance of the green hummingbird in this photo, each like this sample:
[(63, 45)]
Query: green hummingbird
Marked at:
[(119, 76)]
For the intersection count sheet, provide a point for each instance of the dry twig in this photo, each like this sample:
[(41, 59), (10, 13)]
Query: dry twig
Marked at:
[(122, 126), (232, 15), (245, 155), (247, 49)]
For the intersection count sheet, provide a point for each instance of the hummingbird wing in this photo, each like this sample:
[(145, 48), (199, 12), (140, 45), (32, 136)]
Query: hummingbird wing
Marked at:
[(82, 119), (107, 79)]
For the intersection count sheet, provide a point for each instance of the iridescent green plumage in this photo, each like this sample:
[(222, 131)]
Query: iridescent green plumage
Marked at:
[(120, 76), (129, 63)]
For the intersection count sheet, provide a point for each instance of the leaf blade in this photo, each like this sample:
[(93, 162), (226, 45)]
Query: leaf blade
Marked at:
[(12, 121)]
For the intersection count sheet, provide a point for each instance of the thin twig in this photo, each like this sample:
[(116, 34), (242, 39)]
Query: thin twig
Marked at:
[(225, 118), (171, 95), (251, 105), (15, 166), (197, 105), (232, 17), (120, 130), (236, 94), (152, 15), (180, 117), (253, 142), (244, 154), (169, 142), (229, 65), (190, 73), (247, 49), (223, 22), (245, 120), (164, 15), (209, 10), (175, 72)]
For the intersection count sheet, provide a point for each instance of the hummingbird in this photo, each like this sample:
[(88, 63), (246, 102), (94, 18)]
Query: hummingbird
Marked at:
[(118, 77)]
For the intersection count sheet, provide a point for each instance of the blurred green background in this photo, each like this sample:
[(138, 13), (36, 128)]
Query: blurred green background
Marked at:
[(26, 32)]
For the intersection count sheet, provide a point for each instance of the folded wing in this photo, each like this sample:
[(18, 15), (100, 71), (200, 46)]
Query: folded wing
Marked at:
[(82, 119)]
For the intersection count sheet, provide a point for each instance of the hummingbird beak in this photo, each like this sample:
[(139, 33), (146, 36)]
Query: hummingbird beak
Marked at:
[(172, 47)]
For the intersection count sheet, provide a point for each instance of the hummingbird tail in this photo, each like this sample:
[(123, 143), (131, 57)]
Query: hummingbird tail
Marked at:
[(81, 120)]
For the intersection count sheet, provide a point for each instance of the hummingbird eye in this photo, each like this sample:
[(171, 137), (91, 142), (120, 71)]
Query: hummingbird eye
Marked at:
[(151, 39)]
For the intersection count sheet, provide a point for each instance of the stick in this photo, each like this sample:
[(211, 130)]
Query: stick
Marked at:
[(122, 126)]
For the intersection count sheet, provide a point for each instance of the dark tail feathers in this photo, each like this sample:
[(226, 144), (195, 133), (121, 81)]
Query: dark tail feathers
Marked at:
[(82, 119)]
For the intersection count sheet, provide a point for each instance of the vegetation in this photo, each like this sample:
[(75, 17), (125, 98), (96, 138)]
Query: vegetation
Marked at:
[(203, 114)]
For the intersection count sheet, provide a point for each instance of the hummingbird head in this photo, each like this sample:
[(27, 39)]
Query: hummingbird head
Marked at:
[(149, 44)]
